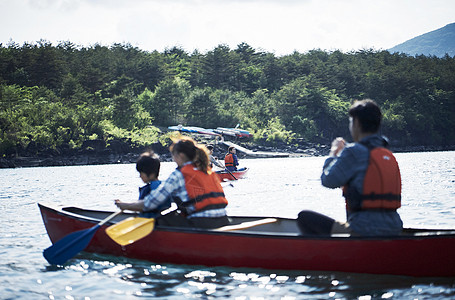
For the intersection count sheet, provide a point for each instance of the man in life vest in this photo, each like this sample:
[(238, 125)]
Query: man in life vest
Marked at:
[(213, 160), (230, 160), (370, 178)]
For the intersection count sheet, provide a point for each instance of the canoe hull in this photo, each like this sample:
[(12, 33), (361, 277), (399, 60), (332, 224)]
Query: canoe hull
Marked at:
[(412, 256), (224, 175)]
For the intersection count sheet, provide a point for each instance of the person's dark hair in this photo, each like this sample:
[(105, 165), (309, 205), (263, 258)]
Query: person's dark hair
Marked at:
[(198, 154), (368, 113), (231, 148), (148, 163)]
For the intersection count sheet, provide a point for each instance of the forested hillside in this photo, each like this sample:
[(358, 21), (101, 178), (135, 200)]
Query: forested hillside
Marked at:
[(62, 95)]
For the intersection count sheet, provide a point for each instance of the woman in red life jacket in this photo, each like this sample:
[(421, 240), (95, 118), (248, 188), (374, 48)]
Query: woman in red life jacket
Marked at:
[(370, 178), (193, 186)]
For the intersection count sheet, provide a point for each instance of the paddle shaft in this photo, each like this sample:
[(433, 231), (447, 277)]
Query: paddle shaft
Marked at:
[(110, 217), (86, 232), (231, 174)]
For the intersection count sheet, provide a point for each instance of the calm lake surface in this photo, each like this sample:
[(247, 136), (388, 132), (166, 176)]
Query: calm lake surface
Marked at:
[(274, 187)]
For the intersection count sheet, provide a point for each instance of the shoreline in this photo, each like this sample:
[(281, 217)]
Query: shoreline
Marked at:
[(52, 158)]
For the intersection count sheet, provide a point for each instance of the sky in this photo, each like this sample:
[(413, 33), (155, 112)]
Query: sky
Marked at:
[(276, 26)]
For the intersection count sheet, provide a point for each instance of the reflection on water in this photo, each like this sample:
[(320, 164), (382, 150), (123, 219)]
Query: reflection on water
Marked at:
[(274, 187), (139, 278)]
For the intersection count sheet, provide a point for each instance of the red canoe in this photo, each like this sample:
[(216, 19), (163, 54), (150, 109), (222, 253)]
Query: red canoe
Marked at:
[(273, 244), (225, 175)]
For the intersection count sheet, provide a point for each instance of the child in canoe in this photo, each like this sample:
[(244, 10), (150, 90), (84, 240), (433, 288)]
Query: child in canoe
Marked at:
[(148, 166)]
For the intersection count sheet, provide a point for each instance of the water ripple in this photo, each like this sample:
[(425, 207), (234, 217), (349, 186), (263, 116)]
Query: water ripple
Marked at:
[(278, 187)]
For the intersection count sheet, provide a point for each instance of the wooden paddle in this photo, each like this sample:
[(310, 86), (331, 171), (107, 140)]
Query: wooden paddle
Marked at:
[(73, 243), (231, 174), (130, 230)]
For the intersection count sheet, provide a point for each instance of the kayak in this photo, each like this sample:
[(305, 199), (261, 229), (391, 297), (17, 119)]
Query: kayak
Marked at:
[(217, 132), (193, 129), (269, 243), (234, 175), (233, 132)]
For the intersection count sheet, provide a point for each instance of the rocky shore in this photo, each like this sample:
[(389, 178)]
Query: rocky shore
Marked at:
[(96, 152)]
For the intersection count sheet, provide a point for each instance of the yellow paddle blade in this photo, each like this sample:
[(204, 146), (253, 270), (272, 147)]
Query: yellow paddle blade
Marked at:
[(130, 230)]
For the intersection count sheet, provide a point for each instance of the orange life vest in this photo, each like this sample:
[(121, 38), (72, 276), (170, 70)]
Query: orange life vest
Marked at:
[(381, 185), (229, 160), (204, 189)]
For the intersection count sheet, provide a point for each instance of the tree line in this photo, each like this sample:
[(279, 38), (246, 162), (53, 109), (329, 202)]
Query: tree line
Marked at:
[(62, 95)]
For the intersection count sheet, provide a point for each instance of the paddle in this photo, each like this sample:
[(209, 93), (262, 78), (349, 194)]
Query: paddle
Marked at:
[(130, 230), (231, 174), (73, 243)]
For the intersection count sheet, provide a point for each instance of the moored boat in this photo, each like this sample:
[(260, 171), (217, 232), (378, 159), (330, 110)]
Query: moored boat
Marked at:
[(270, 243), (235, 132), (233, 175), (193, 129)]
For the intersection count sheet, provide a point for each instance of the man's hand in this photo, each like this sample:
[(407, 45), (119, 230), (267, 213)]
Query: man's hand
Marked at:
[(338, 145)]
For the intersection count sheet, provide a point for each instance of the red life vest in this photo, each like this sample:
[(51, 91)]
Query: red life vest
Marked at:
[(381, 185), (204, 189), (229, 160)]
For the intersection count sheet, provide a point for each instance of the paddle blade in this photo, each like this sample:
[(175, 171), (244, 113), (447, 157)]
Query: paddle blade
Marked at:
[(69, 246), (130, 230)]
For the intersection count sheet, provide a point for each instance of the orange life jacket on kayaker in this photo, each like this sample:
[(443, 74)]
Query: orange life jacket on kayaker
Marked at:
[(204, 189), (229, 160), (381, 185)]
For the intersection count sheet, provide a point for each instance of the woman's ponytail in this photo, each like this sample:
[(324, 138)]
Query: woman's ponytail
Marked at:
[(201, 160)]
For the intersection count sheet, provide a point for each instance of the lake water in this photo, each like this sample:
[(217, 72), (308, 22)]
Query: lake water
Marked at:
[(274, 187)]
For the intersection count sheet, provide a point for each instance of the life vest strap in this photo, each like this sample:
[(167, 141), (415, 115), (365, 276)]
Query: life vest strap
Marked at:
[(199, 198), (389, 196), (209, 207)]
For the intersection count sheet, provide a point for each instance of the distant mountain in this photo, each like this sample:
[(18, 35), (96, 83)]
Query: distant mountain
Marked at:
[(437, 43)]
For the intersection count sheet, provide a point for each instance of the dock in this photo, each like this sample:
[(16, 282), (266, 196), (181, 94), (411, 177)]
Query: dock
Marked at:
[(256, 154)]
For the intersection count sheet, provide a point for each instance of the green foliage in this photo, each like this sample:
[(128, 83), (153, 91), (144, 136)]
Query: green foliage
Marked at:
[(166, 105), (256, 111), (63, 95), (127, 111), (146, 136), (308, 109), (306, 128), (111, 131), (141, 137), (201, 108), (274, 132)]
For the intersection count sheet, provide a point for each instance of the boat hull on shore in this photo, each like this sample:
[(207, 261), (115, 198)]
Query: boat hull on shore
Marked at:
[(276, 244)]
